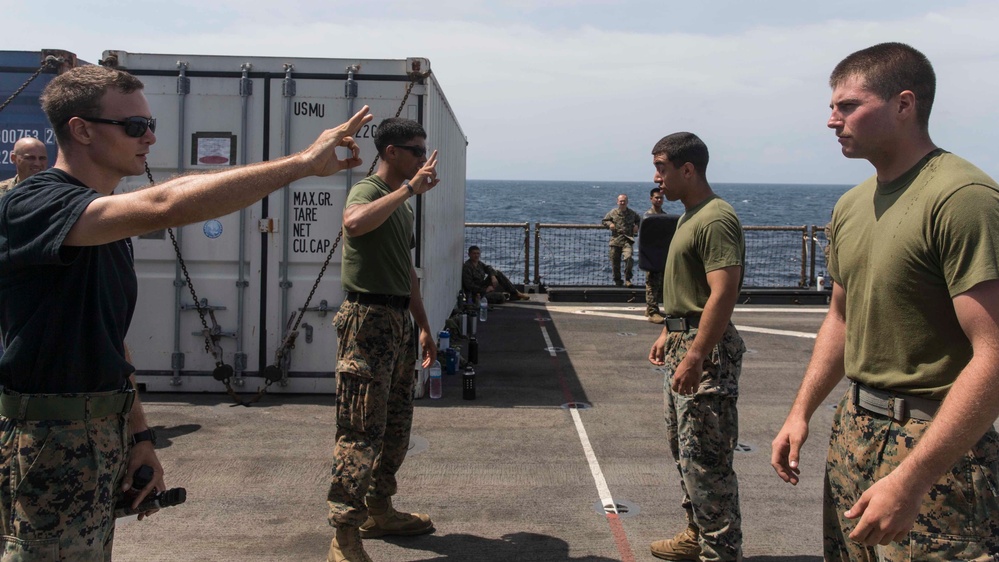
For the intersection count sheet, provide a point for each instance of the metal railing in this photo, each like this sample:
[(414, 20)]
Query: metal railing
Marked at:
[(778, 257)]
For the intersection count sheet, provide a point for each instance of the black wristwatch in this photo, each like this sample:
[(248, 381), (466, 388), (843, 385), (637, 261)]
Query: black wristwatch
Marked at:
[(147, 435)]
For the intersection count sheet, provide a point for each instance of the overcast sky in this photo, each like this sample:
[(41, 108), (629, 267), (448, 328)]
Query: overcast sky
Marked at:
[(582, 89)]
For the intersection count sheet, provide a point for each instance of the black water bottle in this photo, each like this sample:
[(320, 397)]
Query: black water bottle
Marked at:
[(473, 350), (468, 384)]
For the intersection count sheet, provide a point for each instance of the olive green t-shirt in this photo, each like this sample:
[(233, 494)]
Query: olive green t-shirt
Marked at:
[(902, 251), (708, 237), (378, 262)]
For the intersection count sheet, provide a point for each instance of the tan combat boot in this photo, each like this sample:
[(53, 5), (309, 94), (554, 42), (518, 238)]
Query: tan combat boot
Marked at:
[(383, 520), (346, 547), (681, 547)]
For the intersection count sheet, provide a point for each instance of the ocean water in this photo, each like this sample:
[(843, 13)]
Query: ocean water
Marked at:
[(574, 202), (772, 260)]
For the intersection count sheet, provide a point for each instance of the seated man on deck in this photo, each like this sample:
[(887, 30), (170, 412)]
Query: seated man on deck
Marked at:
[(478, 278)]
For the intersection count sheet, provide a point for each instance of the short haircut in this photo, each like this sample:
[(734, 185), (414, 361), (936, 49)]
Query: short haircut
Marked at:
[(653, 191), (471, 248), (395, 131), (680, 148), (889, 69), (78, 93)]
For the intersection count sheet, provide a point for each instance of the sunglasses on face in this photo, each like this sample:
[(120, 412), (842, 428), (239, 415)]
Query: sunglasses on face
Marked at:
[(134, 126), (417, 151)]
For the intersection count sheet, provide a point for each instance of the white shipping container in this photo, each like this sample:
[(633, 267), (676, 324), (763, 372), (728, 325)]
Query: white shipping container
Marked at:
[(254, 269)]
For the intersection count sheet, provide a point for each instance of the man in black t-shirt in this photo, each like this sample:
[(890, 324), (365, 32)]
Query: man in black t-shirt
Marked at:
[(72, 432)]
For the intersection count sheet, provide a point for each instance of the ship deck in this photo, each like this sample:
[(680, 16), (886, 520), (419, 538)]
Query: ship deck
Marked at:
[(512, 475)]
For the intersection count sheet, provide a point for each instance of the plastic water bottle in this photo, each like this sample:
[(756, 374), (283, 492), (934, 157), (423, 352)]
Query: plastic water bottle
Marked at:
[(468, 384), (464, 324), (820, 283), (473, 350), (444, 340), (483, 309), (436, 383)]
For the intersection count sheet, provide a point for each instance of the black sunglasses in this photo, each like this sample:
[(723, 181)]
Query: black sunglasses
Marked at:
[(134, 126), (417, 151)]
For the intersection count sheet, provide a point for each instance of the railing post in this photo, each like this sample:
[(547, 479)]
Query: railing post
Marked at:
[(537, 255), (811, 278), (527, 253), (804, 256)]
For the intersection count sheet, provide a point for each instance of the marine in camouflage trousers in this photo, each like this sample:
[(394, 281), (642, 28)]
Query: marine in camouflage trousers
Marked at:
[(376, 358), (703, 430), (653, 291), (59, 481), (958, 519), (618, 254)]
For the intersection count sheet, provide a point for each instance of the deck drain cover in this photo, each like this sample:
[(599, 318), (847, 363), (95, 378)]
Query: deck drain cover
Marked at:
[(575, 405), (744, 448), (623, 508), (417, 445), (555, 349), (542, 319), (627, 334)]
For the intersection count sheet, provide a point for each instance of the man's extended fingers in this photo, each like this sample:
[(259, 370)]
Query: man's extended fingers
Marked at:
[(359, 119)]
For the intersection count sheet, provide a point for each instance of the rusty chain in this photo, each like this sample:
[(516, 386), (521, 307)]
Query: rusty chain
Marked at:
[(49, 61)]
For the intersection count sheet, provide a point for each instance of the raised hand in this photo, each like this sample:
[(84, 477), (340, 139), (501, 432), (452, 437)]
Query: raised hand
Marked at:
[(322, 156), (426, 179)]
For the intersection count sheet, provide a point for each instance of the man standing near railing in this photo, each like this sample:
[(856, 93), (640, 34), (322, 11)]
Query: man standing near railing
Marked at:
[(656, 231), (623, 224), (704, 270)]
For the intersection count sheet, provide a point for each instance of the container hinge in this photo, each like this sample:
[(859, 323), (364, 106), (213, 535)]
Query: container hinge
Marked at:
[(308, 332), (268, 225), (288, 85), (183, 82), (177, 361), (245, 84)]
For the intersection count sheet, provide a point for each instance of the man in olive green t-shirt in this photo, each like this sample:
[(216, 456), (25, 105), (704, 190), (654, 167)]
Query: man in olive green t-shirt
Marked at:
[(376, 352), (704, 270), (913, 461)]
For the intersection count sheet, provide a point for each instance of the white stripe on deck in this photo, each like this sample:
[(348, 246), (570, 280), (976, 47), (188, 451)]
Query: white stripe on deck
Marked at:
[(598, 475), (604, 312), (548, 340)]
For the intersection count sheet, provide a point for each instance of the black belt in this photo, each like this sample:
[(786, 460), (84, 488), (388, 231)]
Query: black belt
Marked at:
[(39, 407), (395, 301), (899, 407), (682, 323)]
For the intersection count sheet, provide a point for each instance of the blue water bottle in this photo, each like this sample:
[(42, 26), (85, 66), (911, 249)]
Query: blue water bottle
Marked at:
[(436, 383), (451, 360), (444, 340)]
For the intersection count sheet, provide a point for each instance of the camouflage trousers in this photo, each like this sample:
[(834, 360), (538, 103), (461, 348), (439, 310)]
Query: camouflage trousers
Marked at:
[(58, 484), (375, 367), (959, 518), (617, 254), (653, 291), (703, 431)]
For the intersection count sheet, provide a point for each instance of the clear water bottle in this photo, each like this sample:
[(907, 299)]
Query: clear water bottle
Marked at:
[(483, 309), (436, 383)]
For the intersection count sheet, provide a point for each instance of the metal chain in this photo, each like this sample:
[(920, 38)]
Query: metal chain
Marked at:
[(222, 371), (49, 61), (270, 373), (288, 344)]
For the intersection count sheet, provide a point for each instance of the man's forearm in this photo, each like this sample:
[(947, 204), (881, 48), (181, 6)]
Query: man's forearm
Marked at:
[(363, 218), (416, 303), (184, 200), (825, 369)]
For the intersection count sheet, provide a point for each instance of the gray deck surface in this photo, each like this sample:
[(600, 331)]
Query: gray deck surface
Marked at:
[(505, 477)]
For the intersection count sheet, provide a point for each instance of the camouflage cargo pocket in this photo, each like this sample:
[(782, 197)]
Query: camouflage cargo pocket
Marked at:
[(38, 550), (352, 402)]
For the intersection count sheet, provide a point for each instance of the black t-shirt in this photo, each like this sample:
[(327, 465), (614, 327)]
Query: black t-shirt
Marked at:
[(65, 310)]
